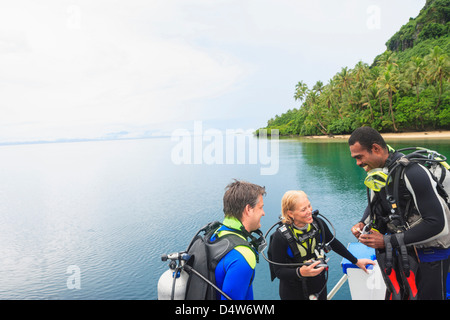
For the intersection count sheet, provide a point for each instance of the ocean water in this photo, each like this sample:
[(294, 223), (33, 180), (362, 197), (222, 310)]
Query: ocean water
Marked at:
[(90, 220)]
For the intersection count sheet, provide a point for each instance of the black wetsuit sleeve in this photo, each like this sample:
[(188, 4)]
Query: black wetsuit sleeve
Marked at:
[(426, 199), (366, 214), (337, 246), (279, 254)]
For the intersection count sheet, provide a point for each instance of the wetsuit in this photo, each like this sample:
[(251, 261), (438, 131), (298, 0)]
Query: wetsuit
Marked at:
[(236, 270), (418, 197), (292, 284)]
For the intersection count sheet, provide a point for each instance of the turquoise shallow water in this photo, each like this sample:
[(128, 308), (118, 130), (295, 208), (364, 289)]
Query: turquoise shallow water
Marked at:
[(99, 214)]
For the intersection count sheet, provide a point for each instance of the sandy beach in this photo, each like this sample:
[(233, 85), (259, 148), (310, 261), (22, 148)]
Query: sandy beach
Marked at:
[(402, 135)]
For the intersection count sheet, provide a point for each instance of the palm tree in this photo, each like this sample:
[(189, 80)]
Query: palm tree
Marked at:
[(361, 75), (389, 83), (345, 83), (439, 69), (375, 75), (344, 77), (313, 108), (318, 87), (416, 71), (301, 89), (387, 58), (330, 97)]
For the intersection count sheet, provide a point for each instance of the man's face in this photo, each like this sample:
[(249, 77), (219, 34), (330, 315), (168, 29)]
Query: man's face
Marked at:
[(256, 214), (368, 160)]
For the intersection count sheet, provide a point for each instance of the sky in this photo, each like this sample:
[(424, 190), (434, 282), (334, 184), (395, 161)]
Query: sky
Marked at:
[(94, 69)]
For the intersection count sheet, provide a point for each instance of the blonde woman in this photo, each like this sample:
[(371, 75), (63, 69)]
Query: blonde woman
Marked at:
[(297, 241)]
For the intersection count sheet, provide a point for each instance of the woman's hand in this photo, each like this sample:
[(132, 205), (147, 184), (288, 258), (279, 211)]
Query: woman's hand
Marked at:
[(362, 264), (311, 270)]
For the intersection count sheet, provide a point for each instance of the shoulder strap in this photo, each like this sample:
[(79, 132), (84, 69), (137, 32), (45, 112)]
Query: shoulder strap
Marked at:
[(287, 234), (293, 242), (228, 241), (397, 179), (440, 182), (393, 198)]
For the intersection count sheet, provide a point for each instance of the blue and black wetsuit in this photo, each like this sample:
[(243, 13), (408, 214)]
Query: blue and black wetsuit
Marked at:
[(236, 270)]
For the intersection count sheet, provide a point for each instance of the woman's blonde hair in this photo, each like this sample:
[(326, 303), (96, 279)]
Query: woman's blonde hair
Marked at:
[(288, 202)]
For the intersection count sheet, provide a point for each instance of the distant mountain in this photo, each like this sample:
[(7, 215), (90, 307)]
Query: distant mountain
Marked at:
[(406, 88), (429, 29)]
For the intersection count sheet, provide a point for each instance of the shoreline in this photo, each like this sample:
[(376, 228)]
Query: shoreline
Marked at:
[(442, 134)]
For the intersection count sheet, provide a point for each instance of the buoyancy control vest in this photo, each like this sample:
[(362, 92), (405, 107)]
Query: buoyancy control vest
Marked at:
[(302, 244), (206, 254), (393, 211), (393, 208)]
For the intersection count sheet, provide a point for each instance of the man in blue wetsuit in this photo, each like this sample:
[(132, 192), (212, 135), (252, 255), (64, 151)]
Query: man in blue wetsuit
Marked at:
[(243, 207), (417, 219)]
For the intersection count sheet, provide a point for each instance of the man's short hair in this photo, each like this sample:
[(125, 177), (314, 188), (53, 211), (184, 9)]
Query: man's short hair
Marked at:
[(367, 136), (238, 195)]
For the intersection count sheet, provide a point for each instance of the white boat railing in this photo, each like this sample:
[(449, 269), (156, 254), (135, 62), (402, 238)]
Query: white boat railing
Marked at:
[(337, 287)]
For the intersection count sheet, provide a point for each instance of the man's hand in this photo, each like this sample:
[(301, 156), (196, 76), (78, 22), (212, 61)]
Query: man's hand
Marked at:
[(374, 240), (356, 229)]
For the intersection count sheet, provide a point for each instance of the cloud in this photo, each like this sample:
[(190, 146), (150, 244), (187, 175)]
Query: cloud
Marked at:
[(96, 71), (88, 68)]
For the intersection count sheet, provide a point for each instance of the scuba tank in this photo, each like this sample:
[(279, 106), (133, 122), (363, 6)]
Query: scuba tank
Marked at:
[(188, 277), (167, 291), (173, 283), (191, 272)]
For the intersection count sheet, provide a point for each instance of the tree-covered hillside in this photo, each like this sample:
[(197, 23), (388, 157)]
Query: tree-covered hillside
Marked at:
[(405, 89)]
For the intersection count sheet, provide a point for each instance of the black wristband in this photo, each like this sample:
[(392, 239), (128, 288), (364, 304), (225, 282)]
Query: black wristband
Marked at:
[(299, 275)]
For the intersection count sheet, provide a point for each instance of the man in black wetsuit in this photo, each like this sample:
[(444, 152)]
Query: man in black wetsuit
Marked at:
[(426, 230)]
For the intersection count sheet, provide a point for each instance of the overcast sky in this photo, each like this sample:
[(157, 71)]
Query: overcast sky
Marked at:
[(86, 69)]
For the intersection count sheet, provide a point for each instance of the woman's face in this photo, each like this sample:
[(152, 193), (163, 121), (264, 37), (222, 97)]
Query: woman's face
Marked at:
[(302, 213)]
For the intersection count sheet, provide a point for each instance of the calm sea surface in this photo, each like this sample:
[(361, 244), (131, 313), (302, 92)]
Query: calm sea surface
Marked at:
[(90, 220)]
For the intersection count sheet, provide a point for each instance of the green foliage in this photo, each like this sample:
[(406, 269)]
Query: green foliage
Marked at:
[(432, 23), (433, 31), (341, 126), (406, 88), (422, 48)]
